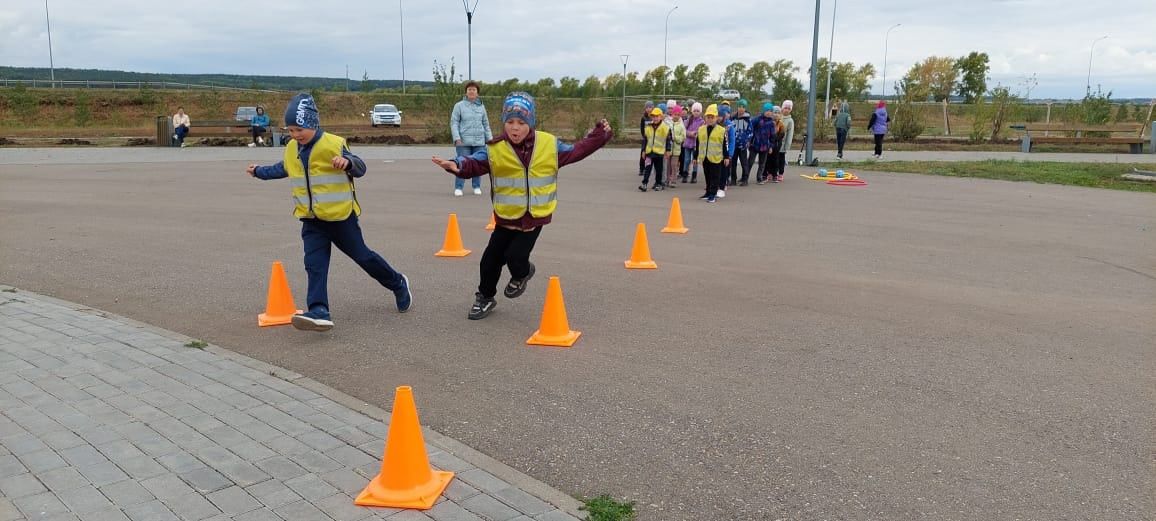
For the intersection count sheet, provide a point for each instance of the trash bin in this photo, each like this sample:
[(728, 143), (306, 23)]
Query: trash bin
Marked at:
[(164, 131)]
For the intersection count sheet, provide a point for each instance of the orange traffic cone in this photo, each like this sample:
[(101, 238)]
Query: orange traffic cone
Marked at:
[(406, 480), (279, 308), (674, 222), (555, 328), (452, 247), (492, 222), (640, 254)]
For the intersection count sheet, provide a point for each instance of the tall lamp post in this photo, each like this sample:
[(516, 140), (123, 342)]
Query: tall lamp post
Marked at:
[(812, 95), (885, 38), (625, 58), (51, 66), (1090, 51), (401, 20), (665, 38), (830, 55), (470, 34)]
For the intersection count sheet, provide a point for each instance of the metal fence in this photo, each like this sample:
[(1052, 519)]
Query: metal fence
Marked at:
[(96, 84)]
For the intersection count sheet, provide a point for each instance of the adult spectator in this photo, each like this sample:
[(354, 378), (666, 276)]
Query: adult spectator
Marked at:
[(878, 127), (470, 127), (258, 125), (180, 126), (842, 127)]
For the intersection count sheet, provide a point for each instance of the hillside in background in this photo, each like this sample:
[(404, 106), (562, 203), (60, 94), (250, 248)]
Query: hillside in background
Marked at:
[(287, 83)]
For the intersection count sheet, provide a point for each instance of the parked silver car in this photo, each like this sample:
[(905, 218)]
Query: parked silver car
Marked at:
[(385, 114)]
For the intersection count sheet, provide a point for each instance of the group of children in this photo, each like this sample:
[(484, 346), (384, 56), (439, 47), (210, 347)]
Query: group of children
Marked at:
[(675, 142), (522, 164)]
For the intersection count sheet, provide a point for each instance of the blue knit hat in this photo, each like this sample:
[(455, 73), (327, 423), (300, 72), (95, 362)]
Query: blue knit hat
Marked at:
[(724, 110), (519, 105), (662, 107), (302, 112), (768, 106)]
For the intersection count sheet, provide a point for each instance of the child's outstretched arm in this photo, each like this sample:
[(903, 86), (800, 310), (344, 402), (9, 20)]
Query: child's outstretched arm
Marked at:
[(276, 171), (597, 138), (466, 167)]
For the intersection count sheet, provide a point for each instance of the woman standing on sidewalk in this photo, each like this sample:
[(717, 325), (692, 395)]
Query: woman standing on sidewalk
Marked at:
[(878, 127), (470, 127)]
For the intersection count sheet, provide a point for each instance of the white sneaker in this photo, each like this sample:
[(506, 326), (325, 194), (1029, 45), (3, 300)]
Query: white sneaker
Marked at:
[(721, 194), (260, 140), (477, 191), (251, 145), (183, 145), (457, 192)]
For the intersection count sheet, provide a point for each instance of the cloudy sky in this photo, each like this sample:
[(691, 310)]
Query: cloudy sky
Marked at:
[(532, 39)]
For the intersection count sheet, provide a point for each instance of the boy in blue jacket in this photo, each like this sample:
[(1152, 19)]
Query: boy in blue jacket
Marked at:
[(321, 170)]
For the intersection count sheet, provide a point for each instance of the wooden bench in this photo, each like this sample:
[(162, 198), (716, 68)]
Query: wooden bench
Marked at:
[(209, 128), (1131, 134)]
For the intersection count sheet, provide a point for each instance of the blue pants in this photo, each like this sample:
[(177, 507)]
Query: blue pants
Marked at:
[(467, 150), (181, 132), (318, 235)]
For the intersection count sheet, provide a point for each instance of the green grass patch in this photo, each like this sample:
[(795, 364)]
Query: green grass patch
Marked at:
[(197, 344), (1094, 175), (9, 290), (606, 508)]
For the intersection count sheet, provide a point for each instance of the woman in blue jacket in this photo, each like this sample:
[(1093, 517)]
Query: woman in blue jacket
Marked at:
[(470, 128), (257, 126)]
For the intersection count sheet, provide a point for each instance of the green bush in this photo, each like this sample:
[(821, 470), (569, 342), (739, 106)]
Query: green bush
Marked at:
[(905, 122)]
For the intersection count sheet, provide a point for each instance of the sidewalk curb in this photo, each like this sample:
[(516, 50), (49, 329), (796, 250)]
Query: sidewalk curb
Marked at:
[(542, 491)]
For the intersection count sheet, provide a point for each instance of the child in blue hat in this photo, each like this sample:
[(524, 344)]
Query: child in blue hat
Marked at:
[(523, 167), (321, 170)]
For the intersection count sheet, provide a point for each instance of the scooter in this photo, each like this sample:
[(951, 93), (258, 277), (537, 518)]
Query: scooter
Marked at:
[(802, 149)]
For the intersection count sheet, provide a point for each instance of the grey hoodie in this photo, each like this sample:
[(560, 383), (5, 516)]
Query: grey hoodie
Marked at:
[(843, 119)]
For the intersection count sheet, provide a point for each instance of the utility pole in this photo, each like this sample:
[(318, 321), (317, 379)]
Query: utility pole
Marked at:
[(470, 35), (52, 66), (624, 58), (401, 20), (665, 37), (830, 65), (812, 95)]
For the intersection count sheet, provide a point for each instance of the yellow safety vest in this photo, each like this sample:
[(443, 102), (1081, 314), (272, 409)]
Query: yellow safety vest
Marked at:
[(712, 146), (518, 189), (324, 193), (656, 138)]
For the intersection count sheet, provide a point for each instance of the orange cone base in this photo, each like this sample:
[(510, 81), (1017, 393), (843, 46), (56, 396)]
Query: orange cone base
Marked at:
[(421, 497), (675, 230), (452, 253), (643, 265), (265, 320), (567, 340)]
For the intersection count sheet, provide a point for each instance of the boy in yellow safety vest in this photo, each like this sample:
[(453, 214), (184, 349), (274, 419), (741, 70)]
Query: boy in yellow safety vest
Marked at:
[(657, 149), (714, 149), (523, 167), (321, 169)]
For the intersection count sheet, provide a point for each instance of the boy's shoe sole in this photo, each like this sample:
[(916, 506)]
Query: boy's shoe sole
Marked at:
[(305, 323), (521, 288)]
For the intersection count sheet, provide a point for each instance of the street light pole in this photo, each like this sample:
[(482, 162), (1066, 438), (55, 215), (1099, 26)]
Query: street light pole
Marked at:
[(885, 38), (401, 20), (665, 37), (812, 95), (830, 54), (625, 58), (51, 66), (1090, 51), (470, 34)]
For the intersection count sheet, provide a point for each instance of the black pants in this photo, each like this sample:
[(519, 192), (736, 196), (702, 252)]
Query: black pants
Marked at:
[(506, 248), (781, 162), (641, 157), (762, 163), (256, 131), (714, 173), (656, 163), (878, 144), (840, 139), (747, 158)]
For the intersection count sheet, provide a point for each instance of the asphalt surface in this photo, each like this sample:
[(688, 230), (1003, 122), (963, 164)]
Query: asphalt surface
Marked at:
[(920, 348)]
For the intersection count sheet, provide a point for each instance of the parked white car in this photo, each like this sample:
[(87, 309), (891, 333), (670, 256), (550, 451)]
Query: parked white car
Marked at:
[(729, 94), (385, 114)]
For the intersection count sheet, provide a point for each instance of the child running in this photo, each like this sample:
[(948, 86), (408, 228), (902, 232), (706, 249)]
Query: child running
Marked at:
[(321, 169), (523, 167)]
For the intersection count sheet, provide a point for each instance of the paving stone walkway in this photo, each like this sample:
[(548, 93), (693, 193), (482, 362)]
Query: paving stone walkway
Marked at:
[(103, 418)]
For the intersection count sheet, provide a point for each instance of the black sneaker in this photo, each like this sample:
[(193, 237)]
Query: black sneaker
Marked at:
[(641, 188), (482, 307), (742, 183), (704, 196), (516, 287), (693, 180), (403, 295), (314, 320)]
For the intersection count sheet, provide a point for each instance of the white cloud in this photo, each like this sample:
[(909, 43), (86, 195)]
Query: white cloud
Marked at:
[(529, 40)]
